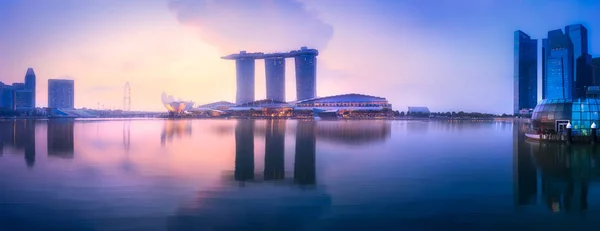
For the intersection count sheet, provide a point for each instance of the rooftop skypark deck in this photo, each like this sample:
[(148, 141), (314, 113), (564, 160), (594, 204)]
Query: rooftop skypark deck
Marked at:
[(261, 55)]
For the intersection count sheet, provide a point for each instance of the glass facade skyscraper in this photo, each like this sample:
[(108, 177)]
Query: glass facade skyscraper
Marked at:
[(582, 61), (30, 86), (525, 72), (566, 64), (558, 66)]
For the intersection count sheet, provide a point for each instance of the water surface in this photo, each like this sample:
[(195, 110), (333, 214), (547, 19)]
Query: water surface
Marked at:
[(290, 175)]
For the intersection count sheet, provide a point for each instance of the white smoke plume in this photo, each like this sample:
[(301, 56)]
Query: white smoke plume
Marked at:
[(254, 25)]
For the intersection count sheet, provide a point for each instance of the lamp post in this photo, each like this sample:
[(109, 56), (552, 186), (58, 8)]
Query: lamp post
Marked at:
[(569, 133), (594, 132)]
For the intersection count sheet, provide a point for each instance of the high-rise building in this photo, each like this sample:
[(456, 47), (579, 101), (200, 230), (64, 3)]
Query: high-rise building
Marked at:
[(596, 71), (7, 97), (245, 79), (61, 93), (582, 61), (30, 85), (558, 82), (545, 52), (275, 76), (525, 72), (306, 75)]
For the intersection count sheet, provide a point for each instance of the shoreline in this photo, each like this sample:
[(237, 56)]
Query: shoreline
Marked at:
[(259, 118)]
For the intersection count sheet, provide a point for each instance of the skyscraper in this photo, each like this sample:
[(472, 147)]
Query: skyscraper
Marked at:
[(61, 93), (558, 66), (275, 76), (545, 52), (245, 79), (582, 61), (596, 71), (525, 72), (306, 75), (30, 85)]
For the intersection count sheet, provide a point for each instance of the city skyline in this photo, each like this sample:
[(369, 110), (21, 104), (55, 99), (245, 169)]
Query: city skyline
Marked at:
[(423, 57)]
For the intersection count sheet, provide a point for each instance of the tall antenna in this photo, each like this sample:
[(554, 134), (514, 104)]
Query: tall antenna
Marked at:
[(127, 97)]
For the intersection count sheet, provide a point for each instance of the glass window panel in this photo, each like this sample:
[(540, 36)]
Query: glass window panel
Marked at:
[(576, 116), (586, 124), (585, 116), (593, 107), (585, 107), (550, 107), (560, 107), (594, 115), (576, 107)]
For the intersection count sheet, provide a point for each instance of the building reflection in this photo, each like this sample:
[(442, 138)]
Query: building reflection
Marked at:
[(60, 138), (274, 150), (244, 150), (353, 132), (565, 172), (19, 135), (304, 160), (524, 170), (175, 128)]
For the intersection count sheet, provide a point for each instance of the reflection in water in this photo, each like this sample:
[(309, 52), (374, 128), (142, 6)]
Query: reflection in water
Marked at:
[(244, 150), (20, 135), (60, 138), (524, 172), (260, 205), (304, 164), (126, 135), (172, 128), (274, 150), (565, 173)]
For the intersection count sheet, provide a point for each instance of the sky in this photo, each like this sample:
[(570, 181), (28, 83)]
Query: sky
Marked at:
[(446, 55)]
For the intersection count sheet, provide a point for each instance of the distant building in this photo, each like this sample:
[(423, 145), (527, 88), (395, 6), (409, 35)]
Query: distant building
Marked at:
[(345, 102), (422, 110), (221, 105), (7, 97), (582, 61), (525, 72), (245, 79), (61, 93), (596, 71), (30, 85)]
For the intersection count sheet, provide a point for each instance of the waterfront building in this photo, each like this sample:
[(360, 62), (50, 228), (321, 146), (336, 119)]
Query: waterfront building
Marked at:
[(345, 102), (175, 106), (306, 70), (552, 115), (422, 110), (61, 93), (525, 72), (220, 105)]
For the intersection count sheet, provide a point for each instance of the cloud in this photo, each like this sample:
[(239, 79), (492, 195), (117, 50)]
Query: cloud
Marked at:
[(254, 25)]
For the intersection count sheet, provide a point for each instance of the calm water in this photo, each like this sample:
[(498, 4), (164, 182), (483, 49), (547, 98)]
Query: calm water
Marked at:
[(290, 175)]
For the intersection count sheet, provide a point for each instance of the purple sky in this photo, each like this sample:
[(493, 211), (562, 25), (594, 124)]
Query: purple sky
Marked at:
[(447, 55)]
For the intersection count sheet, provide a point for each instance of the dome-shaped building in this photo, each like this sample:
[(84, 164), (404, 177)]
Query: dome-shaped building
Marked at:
[(552, 115), (175, 106)]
